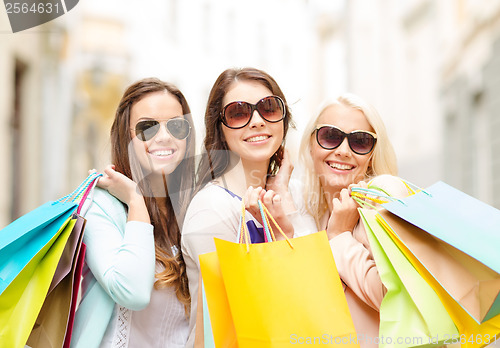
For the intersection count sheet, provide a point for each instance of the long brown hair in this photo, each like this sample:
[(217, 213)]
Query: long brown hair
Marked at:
[(180, 185), (215, 161)]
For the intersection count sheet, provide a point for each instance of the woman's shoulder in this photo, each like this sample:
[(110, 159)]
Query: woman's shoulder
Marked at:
[(214, 193), (213, 198), (101, 201), (394, 186)]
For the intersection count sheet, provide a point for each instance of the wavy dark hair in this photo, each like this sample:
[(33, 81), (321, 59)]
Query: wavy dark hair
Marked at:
[(215, 160), (180, 185)]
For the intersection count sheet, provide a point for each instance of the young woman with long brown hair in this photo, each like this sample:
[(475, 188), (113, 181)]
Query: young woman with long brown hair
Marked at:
[(247, 119), (135, 290)]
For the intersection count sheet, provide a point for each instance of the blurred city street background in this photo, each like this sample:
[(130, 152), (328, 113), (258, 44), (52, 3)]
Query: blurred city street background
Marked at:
[(431, 68)]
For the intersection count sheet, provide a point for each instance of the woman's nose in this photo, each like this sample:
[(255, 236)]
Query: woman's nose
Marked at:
[(256, 120), (343, 149), (163, 133)]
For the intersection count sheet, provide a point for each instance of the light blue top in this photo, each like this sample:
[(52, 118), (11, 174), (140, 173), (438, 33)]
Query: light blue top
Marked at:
[(119, 268)]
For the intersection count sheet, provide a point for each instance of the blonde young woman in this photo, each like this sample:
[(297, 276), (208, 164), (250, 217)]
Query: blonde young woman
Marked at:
[(346, 145)]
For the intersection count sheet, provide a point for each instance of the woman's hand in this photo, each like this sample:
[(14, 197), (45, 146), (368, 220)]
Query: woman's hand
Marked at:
[(127, 191), (119, 185), (274, 205), (279, 184), (344, 215)]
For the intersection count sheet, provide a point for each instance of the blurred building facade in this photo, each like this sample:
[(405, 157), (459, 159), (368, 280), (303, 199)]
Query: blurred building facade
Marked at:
[(430, 68), (30, 82)]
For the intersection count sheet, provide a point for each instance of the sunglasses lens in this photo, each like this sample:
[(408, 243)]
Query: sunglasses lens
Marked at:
[(329, 137), (178, 128), (361, 142), (237, 114), (146, 130), (271, 109)]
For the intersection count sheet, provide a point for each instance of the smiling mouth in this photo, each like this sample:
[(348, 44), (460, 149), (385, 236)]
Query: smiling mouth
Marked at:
[(257, 138), (162, 153), (340, 166)]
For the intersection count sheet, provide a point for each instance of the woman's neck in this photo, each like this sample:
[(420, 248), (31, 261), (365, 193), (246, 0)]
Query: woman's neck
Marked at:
[(330, 193), (255, 175), (158, 186)]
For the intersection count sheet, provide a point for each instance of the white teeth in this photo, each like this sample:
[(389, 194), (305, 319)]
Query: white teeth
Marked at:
[(258, 138), (340, 166), (162, 153)]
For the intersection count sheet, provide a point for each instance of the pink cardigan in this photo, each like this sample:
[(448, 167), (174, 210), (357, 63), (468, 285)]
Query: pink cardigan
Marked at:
[(362, 285)]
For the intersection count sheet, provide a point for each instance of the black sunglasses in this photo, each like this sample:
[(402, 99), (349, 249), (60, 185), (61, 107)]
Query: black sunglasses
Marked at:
[(179, 128), (330, 137), (238, 114)]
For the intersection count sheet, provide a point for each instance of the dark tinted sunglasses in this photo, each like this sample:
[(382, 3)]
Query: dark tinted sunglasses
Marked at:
[(179, 128), (330, 137), (238, 114)]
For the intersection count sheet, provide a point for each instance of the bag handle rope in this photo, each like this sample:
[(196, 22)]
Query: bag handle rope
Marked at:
[(378, 195), (243, 233), (265, 211), (79, 192)]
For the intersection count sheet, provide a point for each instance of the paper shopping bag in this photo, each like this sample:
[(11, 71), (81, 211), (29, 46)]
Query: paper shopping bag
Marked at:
[(74, 296), (407, 236), (468, 225), (219, 320), (410, 308), (31, 250), (281, 292), (26, 236), (52, 324), (199, 337), (22, 300)]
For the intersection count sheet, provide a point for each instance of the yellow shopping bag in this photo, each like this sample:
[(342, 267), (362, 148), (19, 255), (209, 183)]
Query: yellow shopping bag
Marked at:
[(220, 315), (284, 292)]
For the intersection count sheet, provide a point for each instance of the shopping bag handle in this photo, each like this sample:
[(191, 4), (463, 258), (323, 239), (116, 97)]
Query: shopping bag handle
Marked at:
[(376, 194), (244, 234), (79, 192), (242, 225), (265, 215), (89, 189)]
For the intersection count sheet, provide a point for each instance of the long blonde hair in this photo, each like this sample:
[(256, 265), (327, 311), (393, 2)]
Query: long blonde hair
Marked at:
[(383, 157)]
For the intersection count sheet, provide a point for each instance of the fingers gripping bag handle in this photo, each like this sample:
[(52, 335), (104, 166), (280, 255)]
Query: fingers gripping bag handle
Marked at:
[(266, 215), (376, 194), (243, 227), (244, 234)]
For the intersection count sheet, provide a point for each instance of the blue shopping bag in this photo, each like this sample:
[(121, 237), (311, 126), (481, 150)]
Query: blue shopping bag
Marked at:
[(463, 222), (25, 237)]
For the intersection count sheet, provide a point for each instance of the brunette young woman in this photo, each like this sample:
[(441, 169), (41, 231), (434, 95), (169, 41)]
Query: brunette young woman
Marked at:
[(135, 290), (247, 119)]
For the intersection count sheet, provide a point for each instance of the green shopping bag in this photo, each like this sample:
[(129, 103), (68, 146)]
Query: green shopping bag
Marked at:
[(410, 307)]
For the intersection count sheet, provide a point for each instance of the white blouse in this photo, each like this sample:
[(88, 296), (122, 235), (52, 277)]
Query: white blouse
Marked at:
[(163, 323)]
